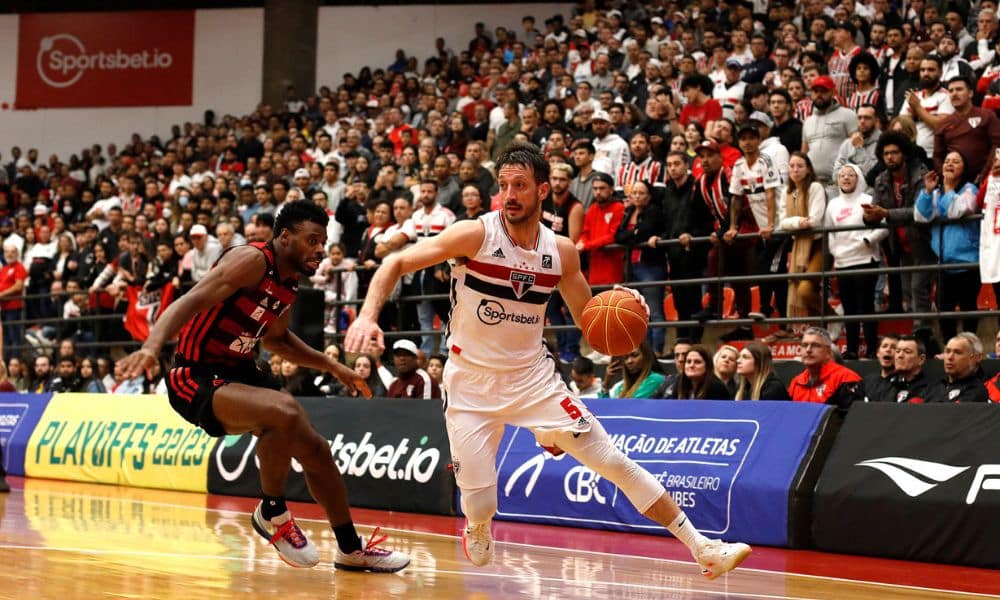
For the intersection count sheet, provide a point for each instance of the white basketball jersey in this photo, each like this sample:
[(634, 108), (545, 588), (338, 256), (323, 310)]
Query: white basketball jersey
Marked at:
[(499, 296)]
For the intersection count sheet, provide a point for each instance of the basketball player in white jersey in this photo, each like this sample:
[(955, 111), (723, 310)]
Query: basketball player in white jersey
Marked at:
[(499, 372)]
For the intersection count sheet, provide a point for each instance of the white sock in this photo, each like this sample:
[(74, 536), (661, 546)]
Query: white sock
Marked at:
[(684, 530)]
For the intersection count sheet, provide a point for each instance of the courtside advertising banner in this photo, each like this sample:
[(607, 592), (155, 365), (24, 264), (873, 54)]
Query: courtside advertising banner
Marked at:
[(393, 454), (729, 465), (913, 481), (119, 439), (19, 413), (72, 60)]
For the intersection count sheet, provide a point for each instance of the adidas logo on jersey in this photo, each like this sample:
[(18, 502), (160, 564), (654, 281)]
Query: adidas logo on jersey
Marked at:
[(499, 253)]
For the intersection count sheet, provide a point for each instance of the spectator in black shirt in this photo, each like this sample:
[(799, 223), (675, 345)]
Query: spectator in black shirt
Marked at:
[(878, 384), (963, 376)]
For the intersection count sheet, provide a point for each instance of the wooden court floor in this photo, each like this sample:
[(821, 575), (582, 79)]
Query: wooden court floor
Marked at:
[(65, 540)]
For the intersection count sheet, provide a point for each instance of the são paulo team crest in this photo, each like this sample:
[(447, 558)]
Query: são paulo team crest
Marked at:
[(521, 282)]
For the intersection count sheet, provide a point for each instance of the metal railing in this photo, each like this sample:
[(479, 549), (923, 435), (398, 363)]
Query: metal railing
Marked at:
[(719, 281)]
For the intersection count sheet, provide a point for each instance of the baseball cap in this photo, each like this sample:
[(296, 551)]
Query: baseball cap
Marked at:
[(709, 145), (372, 103), (748, 128), (656, 21), (615, 12), (601, 115), (602, 176), (300, 172), (825, 82), (198, 230), (763, 118), (846, 26), (734, 63), (404, 346), (40, 209)]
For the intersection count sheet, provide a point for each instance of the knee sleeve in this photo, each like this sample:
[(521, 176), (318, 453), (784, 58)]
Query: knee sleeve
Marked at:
[(595, 451), (479, 505)]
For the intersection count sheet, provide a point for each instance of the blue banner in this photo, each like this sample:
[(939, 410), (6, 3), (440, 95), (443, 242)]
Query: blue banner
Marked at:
[(19, 414), (729, 465)]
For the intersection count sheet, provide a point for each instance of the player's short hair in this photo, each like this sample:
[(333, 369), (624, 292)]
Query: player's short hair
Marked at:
[(972, 339), (298, 211), (525, 154)]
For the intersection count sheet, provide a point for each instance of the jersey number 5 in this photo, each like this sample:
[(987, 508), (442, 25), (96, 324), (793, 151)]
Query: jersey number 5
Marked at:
[(570, 408)]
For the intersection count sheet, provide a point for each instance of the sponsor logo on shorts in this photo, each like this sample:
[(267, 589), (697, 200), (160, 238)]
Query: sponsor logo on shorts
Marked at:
[(492, 312)]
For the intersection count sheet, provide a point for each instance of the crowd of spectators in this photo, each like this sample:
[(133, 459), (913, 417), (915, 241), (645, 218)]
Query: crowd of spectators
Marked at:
[(748, 123)]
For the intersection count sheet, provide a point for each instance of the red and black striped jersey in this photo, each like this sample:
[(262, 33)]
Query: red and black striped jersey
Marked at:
[(227, 333)]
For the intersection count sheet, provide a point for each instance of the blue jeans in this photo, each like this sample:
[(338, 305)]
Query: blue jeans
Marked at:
[(558, 313), (13, 333), (654, 298), (426, 311)]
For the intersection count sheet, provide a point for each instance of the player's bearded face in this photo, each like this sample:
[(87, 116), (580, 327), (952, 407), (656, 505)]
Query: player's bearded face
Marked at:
[(521, 194)]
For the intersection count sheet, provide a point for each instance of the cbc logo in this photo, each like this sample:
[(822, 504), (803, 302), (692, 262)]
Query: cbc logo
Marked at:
[(62, 60)]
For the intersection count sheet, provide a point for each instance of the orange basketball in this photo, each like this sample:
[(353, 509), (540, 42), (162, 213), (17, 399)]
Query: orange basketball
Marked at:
[(614, 322)]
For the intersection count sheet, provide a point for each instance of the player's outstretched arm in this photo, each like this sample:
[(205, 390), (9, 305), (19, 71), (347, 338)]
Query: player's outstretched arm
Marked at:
[(573, 285), (462, 239), (239, 268), (282, 341)]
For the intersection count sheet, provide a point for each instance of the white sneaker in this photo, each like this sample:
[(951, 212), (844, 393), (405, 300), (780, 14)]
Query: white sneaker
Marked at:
[(372, 558), (717, 557), (292, 545), (477, 541)]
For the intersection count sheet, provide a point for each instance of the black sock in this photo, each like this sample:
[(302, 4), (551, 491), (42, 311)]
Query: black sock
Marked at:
[(347, 537), (272, 507)]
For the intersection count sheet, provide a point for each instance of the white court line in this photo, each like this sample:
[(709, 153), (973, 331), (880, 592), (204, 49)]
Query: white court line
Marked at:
[(408, 571), (605, 554)]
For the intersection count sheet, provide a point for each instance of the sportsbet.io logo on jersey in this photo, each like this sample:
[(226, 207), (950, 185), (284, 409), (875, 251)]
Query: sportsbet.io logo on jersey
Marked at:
[(492, 312)]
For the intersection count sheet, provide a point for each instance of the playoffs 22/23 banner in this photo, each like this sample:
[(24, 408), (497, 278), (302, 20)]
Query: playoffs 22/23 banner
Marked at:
[(728, 465)]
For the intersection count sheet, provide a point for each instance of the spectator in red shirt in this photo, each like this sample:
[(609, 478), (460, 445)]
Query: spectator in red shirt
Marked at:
[(599, 227), (12, 277), (824, 380), (411, 381), (701, 108)]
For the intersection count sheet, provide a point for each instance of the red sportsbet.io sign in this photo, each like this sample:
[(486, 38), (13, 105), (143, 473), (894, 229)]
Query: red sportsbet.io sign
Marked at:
[(75, 60)]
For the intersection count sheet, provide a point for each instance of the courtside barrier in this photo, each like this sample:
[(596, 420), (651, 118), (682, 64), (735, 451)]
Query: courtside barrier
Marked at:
[(126, 440), (19, 414), (394, 455), (732, 466), (918, 482)]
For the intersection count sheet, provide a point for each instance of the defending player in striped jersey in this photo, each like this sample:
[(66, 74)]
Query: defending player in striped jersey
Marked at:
[(215, 383), (498, 371)]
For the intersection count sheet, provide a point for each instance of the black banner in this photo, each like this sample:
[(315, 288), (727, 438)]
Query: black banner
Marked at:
[(393, 454), (918, 482)]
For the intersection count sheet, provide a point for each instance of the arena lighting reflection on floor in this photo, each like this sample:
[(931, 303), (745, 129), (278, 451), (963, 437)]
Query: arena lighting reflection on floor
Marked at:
[(68, 540)]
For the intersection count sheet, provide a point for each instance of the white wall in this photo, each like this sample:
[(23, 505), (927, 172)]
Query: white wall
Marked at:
[(351, 37), (228, 59)]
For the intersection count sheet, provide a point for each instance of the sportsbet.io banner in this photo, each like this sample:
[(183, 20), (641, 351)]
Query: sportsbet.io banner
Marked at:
[(729, 465), (394, 455)]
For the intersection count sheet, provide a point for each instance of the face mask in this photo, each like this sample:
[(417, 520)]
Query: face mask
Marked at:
[(166, 212), (183, 201), (67, 210)]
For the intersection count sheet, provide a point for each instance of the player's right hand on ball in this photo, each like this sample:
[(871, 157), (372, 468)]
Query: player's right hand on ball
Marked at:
[(365, 336), (635, 294)]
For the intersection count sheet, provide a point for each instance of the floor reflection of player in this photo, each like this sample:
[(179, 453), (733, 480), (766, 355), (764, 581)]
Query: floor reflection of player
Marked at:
[(498, 371), (216, 385)]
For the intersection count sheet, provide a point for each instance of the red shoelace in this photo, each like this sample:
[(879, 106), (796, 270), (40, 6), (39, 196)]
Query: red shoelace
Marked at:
[(372, 546), (291, 533)]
